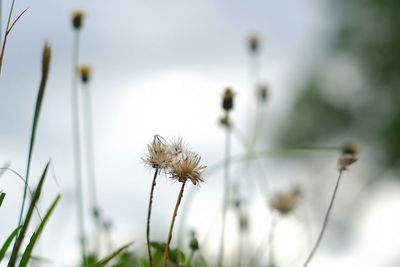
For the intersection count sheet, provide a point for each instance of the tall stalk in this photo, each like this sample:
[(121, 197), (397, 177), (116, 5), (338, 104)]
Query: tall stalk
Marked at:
[(90, 160), (77, 143), (171, 228), (153, 185), (326, 219), (226, 193)]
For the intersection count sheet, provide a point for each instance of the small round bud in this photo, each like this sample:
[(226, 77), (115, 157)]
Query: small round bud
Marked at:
[(263, 93), (351, 149), (85, 73), (244, 222), (77, 18), (227, 101), (253, 43), (194, 244), (224, 121), (284, 203), (348, 157)]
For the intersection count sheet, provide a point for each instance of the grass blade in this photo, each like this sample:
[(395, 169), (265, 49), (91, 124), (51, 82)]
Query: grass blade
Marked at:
[(8, 242), (45, 73), (2, 196), (28, 251), (108, 258), (24, 228)]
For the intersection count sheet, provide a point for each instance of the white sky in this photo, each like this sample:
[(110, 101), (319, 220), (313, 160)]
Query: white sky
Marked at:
[(160, 67)]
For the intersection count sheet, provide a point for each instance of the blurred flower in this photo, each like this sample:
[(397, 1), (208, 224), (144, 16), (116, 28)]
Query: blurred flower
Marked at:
[(187, 167), (77, 17), (227, 100), (285, 202), (85, 72), (348, 157), (263, 93), (253, 43)]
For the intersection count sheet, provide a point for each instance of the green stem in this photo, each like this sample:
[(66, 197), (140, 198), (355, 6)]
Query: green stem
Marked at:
[(153, 185), (77, 144), (171, 228), (226, 193), (326, 219), (90, 160)]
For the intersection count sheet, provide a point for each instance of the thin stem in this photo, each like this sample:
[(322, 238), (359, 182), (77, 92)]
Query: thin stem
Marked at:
[(226, 194), (270, 235), (189, 262), (77, 144), (90, 160), (326, 219), (171, 228), (255, 76), (6, 35), (149, 217)]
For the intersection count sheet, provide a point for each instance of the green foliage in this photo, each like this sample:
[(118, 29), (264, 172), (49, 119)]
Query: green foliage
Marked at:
[(28, 251), (2, 196), (367, 39), (24, 228), (110, 257), (7, 243)]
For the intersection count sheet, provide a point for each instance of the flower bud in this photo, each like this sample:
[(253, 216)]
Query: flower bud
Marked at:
[(77, 18), (227, 101)]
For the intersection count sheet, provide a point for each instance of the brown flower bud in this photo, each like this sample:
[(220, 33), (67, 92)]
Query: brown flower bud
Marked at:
[(85, 73), (227, 101), (348, 157), (77, 18), (253, 43)]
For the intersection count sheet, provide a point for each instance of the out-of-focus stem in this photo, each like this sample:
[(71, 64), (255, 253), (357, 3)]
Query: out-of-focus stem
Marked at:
[(90, 160), (77, 143), (326, 219), (226, 193)]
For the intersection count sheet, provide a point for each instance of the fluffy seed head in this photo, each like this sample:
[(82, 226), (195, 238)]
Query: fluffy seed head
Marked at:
[(187, 167), (159, 154)]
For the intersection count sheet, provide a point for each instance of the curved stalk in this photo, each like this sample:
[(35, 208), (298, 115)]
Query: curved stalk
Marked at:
[(149, 217), (326, 219), (171, 228)]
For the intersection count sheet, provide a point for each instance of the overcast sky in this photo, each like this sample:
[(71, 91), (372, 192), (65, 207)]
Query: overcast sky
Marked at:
[(159, 67)]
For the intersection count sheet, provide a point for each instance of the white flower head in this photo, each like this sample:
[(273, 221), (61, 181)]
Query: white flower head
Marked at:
[(159, 155), (187, 167)]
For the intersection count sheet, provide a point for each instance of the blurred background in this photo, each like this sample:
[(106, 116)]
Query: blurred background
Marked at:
[(332, 73)]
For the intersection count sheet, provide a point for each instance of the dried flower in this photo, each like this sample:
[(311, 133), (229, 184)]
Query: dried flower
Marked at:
[(227, 101), (77, 17), (187, 167), (85, 73), (253, 43), (176, 147), (159, 154), (348, 157), (285, 202)]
